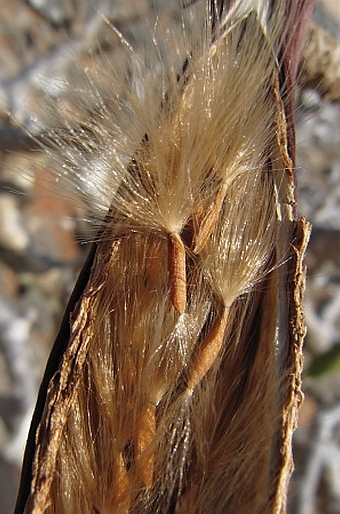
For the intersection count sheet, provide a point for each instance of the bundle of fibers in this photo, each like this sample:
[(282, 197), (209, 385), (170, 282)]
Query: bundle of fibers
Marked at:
[(174, 382)]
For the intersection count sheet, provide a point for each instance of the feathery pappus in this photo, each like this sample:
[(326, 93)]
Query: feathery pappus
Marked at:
[(174, 382)]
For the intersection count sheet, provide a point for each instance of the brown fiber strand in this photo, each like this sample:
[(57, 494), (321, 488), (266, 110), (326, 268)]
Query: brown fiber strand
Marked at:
[(194, 283)]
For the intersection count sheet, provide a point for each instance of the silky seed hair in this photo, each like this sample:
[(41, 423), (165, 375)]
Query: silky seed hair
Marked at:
[(168, 394)]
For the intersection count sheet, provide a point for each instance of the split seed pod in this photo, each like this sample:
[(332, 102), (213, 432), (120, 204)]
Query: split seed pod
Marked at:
[(174, 382)]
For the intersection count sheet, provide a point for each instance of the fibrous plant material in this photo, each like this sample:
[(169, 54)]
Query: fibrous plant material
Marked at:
[(174, 382)]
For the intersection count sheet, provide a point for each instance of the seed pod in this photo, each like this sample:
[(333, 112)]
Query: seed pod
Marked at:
[(174, 382)]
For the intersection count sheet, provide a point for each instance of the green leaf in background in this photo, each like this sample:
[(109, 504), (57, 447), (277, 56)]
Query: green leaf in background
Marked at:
[(325, 362)]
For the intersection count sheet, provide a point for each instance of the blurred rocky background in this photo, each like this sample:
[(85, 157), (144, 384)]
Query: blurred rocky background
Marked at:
[(43, 240)]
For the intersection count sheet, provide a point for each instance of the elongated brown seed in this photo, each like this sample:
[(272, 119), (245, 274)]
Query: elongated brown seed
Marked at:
[(207, 352), (177, 272)]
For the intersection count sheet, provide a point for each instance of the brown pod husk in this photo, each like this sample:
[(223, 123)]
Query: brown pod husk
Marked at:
[(196, 279)]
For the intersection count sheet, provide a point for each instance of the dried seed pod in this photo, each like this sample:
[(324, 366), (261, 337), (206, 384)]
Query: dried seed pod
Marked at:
[(193, 285)]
